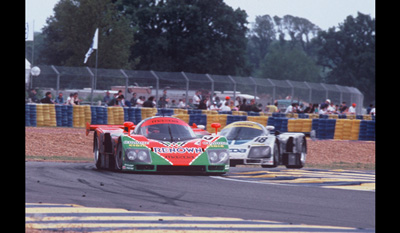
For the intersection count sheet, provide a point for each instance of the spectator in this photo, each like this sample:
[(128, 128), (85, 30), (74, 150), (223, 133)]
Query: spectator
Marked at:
[(372, 112), (352, 109), (253, 106), (316, 108), (107, 97), (309, 108), (164, 100), (197, 99), (47, 99), (344, 108), (33, 97), (225, 107), (191, 105), (290, 109), (233, 107), (369, 109), (237, 102), (181, 104), (121, 101), (133, 99), (203, 104), (323, 109), (214, 106), (173, 104), (271, 108), (71, 96), (243, 106), (76, 99), (59, 99), (331, 109), (140, 101), (149, 102), (113, 101)]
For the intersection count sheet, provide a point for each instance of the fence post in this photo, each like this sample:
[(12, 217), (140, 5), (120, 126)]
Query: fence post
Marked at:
[(58, 79), (234, 87), (273, 90), (212, 84), (292, 87), (157, 83), (310, 94), (126, 82), (92, 89), (326, 89), (187, 87), (255, 86)]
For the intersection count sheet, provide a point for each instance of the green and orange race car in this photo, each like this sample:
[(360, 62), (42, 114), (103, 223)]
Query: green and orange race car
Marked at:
[(158, 144)]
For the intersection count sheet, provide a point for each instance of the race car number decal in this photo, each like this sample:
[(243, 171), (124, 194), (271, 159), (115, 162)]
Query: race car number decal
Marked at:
[(260, 139)]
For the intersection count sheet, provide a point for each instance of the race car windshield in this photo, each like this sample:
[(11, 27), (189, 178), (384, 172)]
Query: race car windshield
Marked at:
[(241, 133), (168, 132)]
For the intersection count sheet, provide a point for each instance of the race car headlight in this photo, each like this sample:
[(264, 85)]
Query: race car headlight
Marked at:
[(260, 152), (138, 155), (218, 156)]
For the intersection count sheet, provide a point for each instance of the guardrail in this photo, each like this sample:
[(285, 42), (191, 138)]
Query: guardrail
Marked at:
[(340, 127)]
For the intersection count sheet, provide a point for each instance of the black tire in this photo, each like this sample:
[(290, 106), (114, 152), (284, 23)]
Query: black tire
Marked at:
[(119, 157), (98, 157)]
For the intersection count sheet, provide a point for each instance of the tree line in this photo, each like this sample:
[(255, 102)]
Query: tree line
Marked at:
[(208, 36)]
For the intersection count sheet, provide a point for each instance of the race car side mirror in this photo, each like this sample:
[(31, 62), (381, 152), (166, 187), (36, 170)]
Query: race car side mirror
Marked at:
[(216, 126), (270, 127), (127, 127)]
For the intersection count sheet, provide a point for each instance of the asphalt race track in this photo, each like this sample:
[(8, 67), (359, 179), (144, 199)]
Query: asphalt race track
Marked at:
[(246, 193)]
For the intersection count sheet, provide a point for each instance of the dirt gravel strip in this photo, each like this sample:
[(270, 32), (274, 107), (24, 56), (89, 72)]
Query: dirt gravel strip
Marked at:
[(72, 144)]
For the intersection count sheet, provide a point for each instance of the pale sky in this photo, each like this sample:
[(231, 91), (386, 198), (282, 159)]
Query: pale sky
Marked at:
[(323, 13)]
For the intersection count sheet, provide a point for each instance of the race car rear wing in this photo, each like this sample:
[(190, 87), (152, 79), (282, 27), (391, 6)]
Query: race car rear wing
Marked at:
[(127, 127)]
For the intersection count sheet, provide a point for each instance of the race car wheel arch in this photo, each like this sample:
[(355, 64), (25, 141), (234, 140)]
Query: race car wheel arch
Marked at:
[(303, 155)]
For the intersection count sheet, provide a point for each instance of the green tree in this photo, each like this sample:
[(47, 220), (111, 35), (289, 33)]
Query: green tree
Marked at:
[(199, 36), (69, 33), (348, 53), (286, 63), (267, 30)]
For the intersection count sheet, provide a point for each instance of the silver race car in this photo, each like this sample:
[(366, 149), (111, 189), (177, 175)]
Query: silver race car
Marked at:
[(252, 143)]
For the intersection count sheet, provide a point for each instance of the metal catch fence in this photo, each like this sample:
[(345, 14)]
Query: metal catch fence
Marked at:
[(92, 84)]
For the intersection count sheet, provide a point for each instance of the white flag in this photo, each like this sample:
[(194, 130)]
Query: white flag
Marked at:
[(93, 45), (29, 31)]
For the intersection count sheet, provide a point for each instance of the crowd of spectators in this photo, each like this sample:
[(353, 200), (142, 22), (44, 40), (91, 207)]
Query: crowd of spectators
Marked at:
[(203, 100)]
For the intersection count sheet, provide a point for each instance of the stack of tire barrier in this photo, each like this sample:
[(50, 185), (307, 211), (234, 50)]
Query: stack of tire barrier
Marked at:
[(148, 112), (99, 115), (367, 130), (299, 125), (132, 114), (80, 115), (280, 123), (234, 118), (259, 119), (340, 127), (115, 115), (198, 119), (324, 128), (45, 115), (30, 115), (215, 118), (165, 112), (182, 116)]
